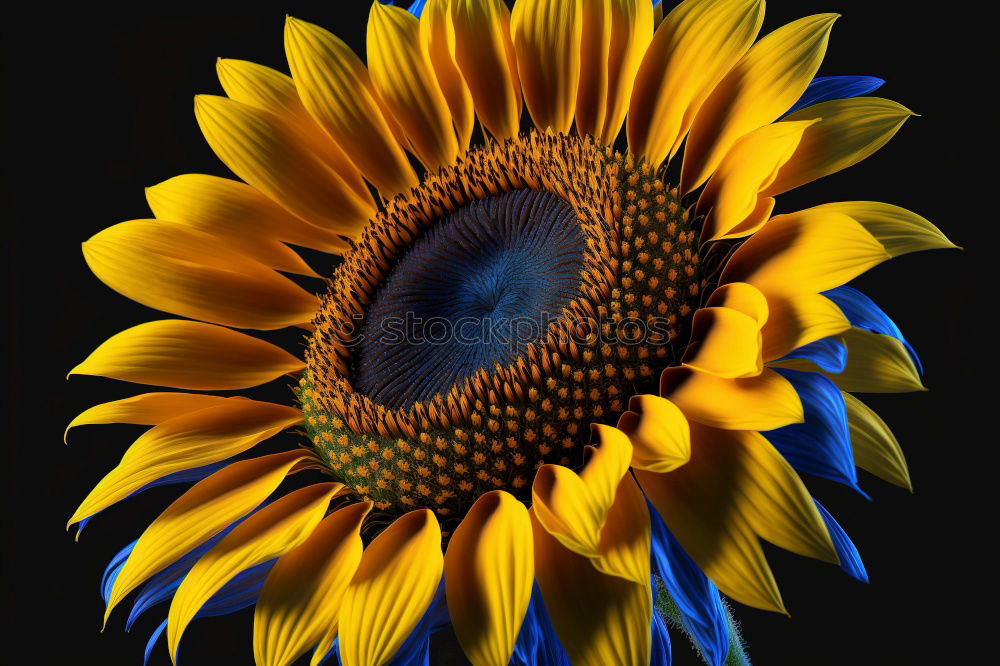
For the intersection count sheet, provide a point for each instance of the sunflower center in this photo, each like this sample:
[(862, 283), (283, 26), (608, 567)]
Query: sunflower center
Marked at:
[(473, 292), (485, 319)]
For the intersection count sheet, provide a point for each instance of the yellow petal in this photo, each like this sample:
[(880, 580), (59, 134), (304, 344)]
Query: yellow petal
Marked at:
[(735, 488), (759, 88), (764, 402), (575, 509), (595, 40), (875, 447), (399, 574), (243, 215), (207, 508), (743, 297), (725, 343), (897, 229), (183, 271), (402, 74), (437, 38), (845, 131), (546, 35), (188, 355), (805, 252), (489, 569), (300, 600), (692, 50), (145, 409), (265, 152), (485, 56), (271, 532), (272, 91), (184, 442), (336, 89), (746, 171), (600, 619), (631, 33), (661, 439), (876, 364), (797, 320)]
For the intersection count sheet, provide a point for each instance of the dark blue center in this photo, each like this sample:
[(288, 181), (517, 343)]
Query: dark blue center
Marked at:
[(472, 292)]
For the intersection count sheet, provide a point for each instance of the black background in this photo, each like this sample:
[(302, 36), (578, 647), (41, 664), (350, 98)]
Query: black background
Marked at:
[(98, 106)]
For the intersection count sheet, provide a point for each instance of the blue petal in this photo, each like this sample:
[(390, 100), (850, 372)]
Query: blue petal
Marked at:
[(415, 649), (826, 88), (695, 595), (113, 569), (862, 312), (829, 354), (415, 8), (660, 653), (184, 476), (537, 643), (822, 444), (151, 643), (657, 3), (850, 559)]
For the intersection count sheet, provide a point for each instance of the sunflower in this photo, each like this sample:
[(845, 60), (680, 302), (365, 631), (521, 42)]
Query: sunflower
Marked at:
[(565, 375)]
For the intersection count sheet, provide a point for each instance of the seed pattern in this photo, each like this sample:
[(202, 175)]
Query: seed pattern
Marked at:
[(641, 280)]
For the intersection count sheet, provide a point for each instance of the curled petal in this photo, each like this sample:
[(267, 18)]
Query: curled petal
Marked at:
[(546, 35), (805, 252), (744, 174), (660, 436), (725, 343), (395, 583), (184, 442), (401, 73), (205, 510), (336, 89), (264, 151), (759, 89), (188, 355), (485, 55), (692, 50), (300, 600), (271, 532), (764, 402), (843, 132), (743, 297), (183, 271), (489, 569), (797, 320)]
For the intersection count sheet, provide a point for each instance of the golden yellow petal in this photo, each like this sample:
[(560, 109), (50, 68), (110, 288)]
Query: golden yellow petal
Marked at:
[(437, 38), (546, 35), (631, 33), (759, 88), (595, 41), (797, 320), (485, 56), (188, 355), (805, 252), (743, 297), (725, 343), (271, 532), (145, 409), (191, 440), (207, 508), (180, 270), (898, 230), (692, 50), (272, 91), (402, 74), (764, 402), (660, 436), (395, 583), (337, 91), (300, 600), (845, 131), (489, 569), (264, 151), (600, 619)]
